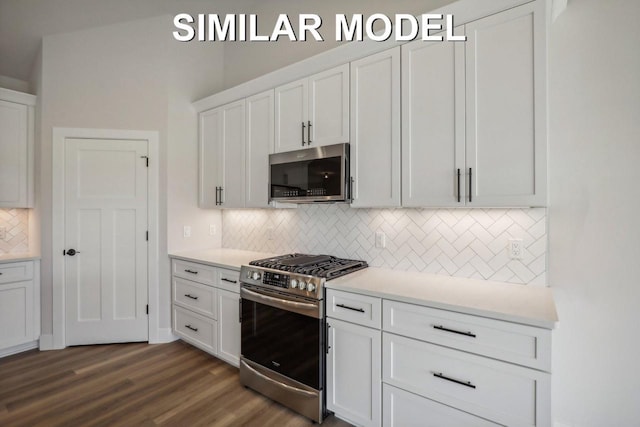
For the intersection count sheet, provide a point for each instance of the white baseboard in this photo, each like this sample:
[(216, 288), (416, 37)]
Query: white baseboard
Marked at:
[(165, 335), (46, 342), (18, 348)]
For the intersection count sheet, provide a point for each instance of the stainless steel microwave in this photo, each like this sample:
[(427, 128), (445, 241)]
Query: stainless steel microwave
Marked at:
[(318, 174)]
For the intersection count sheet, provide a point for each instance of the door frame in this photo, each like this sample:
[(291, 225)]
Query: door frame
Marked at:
[(58, 223)]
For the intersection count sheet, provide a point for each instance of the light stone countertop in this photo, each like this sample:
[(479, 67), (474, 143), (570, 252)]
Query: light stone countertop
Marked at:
[(225, 258), (27, 256), (525, 304)]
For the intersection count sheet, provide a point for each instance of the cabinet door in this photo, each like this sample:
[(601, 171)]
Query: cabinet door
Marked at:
[(375, 130), (329, 107), (232, 194), (229, 326), (210, 140), (404, 409), (433, 124), (292, 110), (259, 144), (16, 313), (14, 154), (354, 373), (506, 108)]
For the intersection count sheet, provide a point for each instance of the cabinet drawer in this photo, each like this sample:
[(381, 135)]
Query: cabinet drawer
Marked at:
[(355, 308), (195, 329), (229, 280), (193, 271), (404, 409), (520, 344), (195, 296), (498, 391), (16, 272)]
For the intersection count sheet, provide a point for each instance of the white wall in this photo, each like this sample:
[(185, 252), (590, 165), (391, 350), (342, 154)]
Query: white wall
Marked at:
[(594, 246), (14, 84), (131, 76), (245, 61)]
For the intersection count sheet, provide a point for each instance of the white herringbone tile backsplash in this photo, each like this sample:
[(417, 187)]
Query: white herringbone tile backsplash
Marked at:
[(16, 224), (455, 242)]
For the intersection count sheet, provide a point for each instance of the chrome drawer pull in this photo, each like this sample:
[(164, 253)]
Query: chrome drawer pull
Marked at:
[(191, 271), (464, 383), (229, 280), (191, 327), (361, 310), (190, 296), (453, 331)]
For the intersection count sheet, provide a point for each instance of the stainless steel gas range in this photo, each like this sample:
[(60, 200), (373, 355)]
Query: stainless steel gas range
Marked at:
[(283, 334)]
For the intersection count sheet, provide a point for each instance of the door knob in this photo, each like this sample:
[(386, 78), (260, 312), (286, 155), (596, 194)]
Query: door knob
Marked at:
[(70, 252)]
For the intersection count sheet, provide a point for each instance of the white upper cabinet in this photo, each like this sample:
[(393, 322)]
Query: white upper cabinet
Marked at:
[(313, 111), (474, 115), (17, 126), (375, 130), (432, 124), (222, 157), (506, 123), (259, 144)]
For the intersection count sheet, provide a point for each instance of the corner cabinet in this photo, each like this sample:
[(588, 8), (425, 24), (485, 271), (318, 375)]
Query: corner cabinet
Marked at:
[(474, 114), (222, 157), (206, 308), (19, 306), (314, 111), (17, 127), (259, 144), (375, 130)]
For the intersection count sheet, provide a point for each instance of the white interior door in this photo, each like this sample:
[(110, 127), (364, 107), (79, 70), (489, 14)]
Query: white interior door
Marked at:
[(106, 224)]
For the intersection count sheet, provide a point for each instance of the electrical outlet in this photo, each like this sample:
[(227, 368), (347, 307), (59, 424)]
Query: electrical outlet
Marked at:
[(3, 233), (381, 239), (515, 248), (187, 231), (212, 229)]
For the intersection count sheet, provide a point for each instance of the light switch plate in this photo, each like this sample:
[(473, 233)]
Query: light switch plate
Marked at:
[(381, 239), (187, 231), (212, 229)]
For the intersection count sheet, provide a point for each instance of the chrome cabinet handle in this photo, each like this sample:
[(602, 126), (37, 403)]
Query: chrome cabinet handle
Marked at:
[(453, 331), (191, 327), (444, 377), (190, 296), (309, 133), (224, 279), (191, 272), (361, 310)]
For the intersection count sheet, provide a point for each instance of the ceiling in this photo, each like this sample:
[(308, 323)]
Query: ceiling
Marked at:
[(23, 23)]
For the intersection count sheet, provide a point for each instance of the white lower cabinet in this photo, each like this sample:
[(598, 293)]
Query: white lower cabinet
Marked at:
[(229, 326), (404, 409), (206, 304), (354, 357), (19, 306), (396, 364)]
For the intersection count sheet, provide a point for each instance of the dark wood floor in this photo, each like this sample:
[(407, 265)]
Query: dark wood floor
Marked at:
[(132, 385)]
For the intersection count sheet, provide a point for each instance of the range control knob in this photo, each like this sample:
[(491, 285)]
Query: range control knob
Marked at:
[(255, 275), (303, 285), (311, 287), (294, 283)]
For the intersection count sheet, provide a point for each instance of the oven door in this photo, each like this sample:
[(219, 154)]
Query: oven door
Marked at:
[(284, 334)]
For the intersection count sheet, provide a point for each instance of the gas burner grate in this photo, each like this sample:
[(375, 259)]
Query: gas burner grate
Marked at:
[(324, 266)]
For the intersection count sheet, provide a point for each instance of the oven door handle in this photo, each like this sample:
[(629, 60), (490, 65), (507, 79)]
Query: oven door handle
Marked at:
[(278, 383), (276, 302)]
